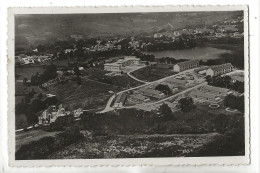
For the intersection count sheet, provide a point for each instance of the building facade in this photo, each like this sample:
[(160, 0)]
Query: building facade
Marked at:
[(114, 67), (118, 65), (185, 65), (219, 69)]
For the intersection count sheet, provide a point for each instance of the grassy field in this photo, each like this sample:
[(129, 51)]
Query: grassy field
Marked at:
[(89, 95), (150, 73), (122, 81), (134, 146)]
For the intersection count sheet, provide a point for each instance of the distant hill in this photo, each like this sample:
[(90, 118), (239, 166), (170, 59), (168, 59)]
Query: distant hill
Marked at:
[(35, 29)]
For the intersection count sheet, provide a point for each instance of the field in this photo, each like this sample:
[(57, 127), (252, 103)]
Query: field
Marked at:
[(134, 146), (123, 80), (151, 73), (24, 138), (89, 95)]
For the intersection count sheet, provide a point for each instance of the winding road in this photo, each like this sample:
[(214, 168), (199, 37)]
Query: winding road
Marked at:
[(109, 108)]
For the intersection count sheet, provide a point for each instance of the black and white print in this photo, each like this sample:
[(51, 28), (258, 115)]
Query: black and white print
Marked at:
[(130, 85)]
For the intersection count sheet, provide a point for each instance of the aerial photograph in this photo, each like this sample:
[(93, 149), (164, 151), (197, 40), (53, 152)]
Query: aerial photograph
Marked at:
[(129, 85)]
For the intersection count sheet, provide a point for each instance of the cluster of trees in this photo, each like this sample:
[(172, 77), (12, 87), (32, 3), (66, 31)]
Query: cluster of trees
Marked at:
[(49, 73), (146, 57), (166, 113), (164, 89), (31, 105), (186, 104), (235, 102), (184, 41), (225, 82), (44, 147)]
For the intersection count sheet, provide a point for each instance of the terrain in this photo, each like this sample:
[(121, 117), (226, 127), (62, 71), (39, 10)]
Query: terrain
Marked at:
[(33, 30)]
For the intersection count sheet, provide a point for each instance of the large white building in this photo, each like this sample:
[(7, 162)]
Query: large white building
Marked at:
[(113, 67), (219, 69), (117, 66), (185, 65)]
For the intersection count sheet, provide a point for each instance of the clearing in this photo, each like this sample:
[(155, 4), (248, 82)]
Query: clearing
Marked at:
[(151, 73)]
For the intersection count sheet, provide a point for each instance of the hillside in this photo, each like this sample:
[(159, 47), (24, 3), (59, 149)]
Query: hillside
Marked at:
[(32, 30)]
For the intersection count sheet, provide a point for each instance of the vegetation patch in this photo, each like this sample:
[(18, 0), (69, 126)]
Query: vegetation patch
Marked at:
[(151, 73)]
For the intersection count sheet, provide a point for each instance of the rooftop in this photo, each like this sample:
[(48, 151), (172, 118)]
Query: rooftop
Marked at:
[(185, 63), (121, 98), (148, 90), (221, 67)]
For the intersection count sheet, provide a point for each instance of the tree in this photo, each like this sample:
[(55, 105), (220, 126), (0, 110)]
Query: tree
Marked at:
[(208, 79), (186, 104), (77, 71), (164, 89), (230, 101), (166, 112), (40, 96), (226, 81), (235, 102), (36, 106)]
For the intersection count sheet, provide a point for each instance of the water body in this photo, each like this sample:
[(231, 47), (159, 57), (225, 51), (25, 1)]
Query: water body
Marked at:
[(202, 53)]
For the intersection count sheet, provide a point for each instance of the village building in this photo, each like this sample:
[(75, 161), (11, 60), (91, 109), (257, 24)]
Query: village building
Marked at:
[(152, 93), (219, 69), (120, 100), (176, 82), (28, 60), (185, 65), (53, 81), (113, 67), (51, 114), (205, 96), (214, 90)]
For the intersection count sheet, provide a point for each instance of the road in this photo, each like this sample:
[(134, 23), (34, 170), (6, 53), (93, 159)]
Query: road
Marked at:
[(108, 108), (131, 76)]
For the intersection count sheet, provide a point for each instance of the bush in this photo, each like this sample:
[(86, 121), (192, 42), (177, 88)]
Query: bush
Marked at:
[(186, 104)]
